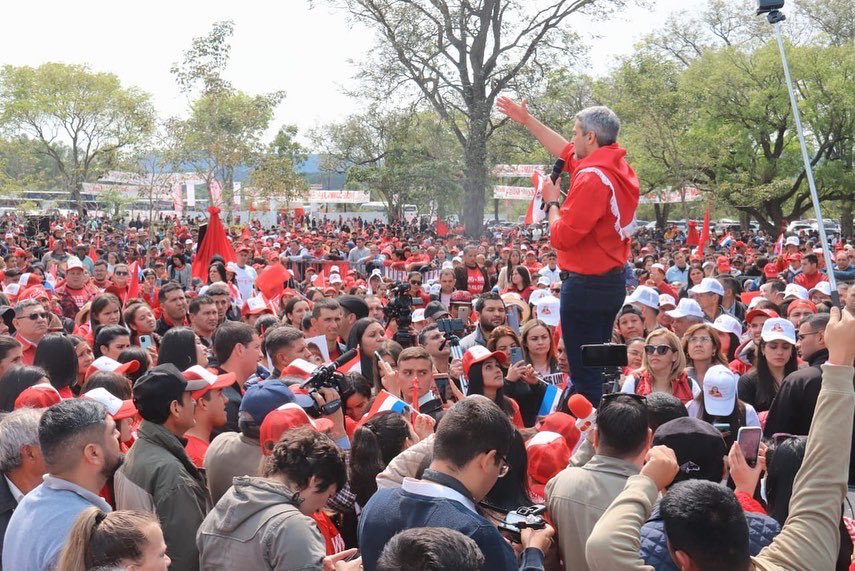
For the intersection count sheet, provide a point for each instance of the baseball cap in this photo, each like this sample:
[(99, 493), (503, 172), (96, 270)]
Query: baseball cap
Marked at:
[(665, 300), (256, 305), (73, 263), (435, 310), (334, 270), (300, 368), (728, 324), (548, 454), (335, 279), (282, 419), (446, 265), (107, 364), (821, 287), (792, 241), (38, 396), (375, 273), (708, 285), (760, 312), (117, 407), (418, 315), (659, 267), (479, 354), (796, 291), (158, 387), (544, 281), (720, 391), (778, 329), (548, 310), (770, 270), (644, 295), (244, 248), (261, 398), (213, 380), (686, 308), (699, 447), (563, 424), (801, 304)]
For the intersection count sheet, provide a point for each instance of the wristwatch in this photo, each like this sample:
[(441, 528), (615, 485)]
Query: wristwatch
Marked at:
[(552, 203)]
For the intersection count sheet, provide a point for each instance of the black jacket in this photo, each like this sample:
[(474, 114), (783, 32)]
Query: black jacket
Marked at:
[(7, 506), (461, 279)]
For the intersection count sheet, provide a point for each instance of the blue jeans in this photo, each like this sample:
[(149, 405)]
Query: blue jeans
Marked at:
[(589, 305)]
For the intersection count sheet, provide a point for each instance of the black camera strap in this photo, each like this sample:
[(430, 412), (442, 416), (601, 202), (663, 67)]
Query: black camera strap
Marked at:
[(448, 482)]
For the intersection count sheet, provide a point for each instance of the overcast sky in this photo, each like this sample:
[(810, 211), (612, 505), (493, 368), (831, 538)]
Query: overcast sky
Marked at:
[(277, 45)]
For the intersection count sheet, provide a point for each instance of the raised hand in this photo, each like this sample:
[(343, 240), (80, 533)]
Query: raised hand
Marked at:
[(840, 337), (517, 112)]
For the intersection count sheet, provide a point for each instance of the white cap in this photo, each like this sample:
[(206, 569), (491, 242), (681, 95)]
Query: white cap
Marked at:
[(796, 291), (544, 281), (644, 295), (231, 267), (821, 287), (720, 390), (728, 324), (665, 299), (418, 315), (548, 310), (755, 301), (778, 329), (708, 285), (456, 259), (657, 267), (686, 308), (792, 241), (72, 263), (376, 273), (446, 265), (334, 270), (537, 295), (435, 289), (335, 279)]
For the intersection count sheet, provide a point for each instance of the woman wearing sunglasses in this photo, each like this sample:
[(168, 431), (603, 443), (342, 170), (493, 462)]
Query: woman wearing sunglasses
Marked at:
[(662, 369)]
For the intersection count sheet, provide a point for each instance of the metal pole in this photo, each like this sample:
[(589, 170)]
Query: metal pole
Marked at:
[(835, 298)]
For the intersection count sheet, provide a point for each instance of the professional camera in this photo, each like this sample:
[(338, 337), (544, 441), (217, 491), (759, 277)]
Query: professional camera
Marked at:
[(525, 517), (400, 308), (325, 376), (611, 358)]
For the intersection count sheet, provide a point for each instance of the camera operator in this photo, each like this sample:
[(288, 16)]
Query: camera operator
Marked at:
[(592, 230)]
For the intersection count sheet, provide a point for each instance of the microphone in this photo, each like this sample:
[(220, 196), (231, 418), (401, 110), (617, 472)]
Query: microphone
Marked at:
[(584, 411), (346, 356), (557, 169)]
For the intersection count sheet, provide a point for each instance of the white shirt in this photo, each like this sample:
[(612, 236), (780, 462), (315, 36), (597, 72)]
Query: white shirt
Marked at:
[(245, 278), (434, 490), (16, 493), (551, 274)]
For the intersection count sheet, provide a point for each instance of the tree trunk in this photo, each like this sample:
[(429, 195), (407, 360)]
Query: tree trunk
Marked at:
[(846, 218), (661, 211), (495, 210), (745, 221), (475, 173)]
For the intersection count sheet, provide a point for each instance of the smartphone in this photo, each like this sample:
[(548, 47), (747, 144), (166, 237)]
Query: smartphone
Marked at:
[(441, 382), (722, 426), (146, 342), (514, 319), (748, 438), (516, 355), (463, 314)]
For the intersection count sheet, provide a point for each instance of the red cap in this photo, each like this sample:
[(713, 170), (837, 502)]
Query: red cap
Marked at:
[(770, 270), (757, 312), (105, 363), (461, 296), (479, 354), (215, 381), (723, 263), (548, 454), (300, 368), (116, 407), (38, 396), (801, 303), (34, 292), (797, 257), (244, 248), (563, 424), (284, 418)]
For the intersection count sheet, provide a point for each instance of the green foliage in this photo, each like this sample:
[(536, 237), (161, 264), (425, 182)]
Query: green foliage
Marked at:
[(81, 119), (275, 175)]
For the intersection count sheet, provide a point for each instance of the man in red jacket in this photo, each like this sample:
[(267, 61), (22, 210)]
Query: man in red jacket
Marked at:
[(591, 231)]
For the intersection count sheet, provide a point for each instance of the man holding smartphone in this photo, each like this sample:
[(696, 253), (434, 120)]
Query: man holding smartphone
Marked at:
[(591, 231)]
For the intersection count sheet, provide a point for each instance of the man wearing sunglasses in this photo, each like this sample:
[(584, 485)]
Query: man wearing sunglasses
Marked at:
[(31, 325), (470, 451)]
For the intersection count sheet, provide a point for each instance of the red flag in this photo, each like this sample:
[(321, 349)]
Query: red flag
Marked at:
[(214, 242), (705, 232), (271, 280), (692, 237), (245, 234), (441, 228), (93, 255), (134, 285), (535, 214)]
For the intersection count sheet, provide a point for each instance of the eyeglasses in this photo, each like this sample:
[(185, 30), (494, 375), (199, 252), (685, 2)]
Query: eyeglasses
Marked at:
[(658, 349), (35, 316), (504, 467), (120, 273), (416, 282), (801, 336), (702, 339)]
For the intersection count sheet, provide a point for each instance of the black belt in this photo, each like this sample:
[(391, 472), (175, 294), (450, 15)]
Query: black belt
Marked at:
[(564, 275)]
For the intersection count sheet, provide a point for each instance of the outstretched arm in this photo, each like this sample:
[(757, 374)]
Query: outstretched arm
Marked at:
[(518, 112)]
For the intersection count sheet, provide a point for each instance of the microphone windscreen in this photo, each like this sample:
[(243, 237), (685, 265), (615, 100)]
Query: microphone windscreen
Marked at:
[(580, 406)]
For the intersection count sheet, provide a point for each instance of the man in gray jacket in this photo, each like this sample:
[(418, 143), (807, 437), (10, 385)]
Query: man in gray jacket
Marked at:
[(157, 475)]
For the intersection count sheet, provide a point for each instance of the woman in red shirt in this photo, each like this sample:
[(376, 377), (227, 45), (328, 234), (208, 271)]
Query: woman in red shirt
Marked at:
[(520, 283)]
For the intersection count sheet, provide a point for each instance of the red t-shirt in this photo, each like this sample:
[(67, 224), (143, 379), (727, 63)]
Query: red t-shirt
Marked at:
[(332, 538), (474, 280), (196, 449)]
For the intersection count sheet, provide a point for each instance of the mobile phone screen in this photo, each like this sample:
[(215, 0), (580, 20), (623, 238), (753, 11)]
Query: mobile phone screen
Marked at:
[(516, 355), (749, 441)]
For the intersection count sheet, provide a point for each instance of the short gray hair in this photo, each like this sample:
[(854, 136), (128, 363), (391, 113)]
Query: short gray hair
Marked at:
[(602, 121), (22, 305), (18, 428)]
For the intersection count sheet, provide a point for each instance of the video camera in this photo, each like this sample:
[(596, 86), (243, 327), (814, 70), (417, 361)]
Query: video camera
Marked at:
[(609, 356), (525, 517), (400, 308), (325, 376)]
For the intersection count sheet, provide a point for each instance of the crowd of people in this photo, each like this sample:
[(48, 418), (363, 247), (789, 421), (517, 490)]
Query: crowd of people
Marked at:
[(167, 408)]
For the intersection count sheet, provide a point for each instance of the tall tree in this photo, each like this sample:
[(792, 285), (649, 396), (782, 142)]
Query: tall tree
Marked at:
[(459, 56), (81, 119), (275, 174)]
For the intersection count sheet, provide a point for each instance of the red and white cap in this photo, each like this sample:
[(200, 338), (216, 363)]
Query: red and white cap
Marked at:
[(38, 396), (300, 368), (213, 380), (256, 305), (73, 263), (335, 278), (778, 329), (548, 454), (116, 407), (548, 309), (288, 416), (107, 364), (479, 354)]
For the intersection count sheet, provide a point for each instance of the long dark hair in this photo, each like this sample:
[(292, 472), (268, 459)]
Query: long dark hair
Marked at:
[(476, 387), (766, 389), (355, 338), (375, 444), (736, 419), (784, 460), (15, 381), (221, 269), (56, 355), (512, 491), (97, 306), (524, 274), (178, 347)]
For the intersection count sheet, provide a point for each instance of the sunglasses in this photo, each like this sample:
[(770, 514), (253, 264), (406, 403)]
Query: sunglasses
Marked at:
[(658, 349), (121, 273), (416, 282), (37, 315)]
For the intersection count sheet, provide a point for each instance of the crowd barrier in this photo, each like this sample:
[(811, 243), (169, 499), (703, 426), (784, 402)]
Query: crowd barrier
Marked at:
[(327, 267)]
